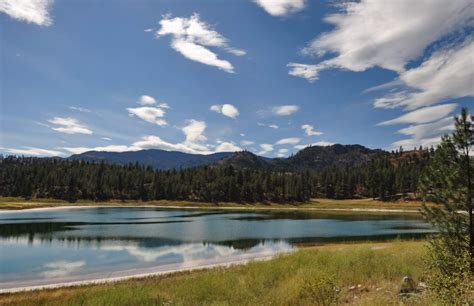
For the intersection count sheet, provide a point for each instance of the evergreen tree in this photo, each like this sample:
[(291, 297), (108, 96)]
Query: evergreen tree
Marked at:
[(447, 181)]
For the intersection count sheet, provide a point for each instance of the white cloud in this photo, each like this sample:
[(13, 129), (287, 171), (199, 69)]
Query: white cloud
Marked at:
[(62, 268), (193, 143), (306, 71), (228, 110), (194, 132), (152, 115), (387, 34), (423, 131), (111, 148), (425, 135), (445, 75), (280, 8), (285, 110), (309, 130), (80, 109), (242, 134), (266, 148), (318, 143), (291, 141), (282, 152), (227, 147), (146, 100), (247, 142), (31, 11), (423, 115), (191, 37), (69, 126), (236, 52), (273, 126), (411, 143), (106, 138), (31, 151)]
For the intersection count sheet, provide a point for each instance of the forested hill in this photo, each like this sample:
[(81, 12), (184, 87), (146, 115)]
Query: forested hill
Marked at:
[(310, 158), (158, 159), (242, 177)]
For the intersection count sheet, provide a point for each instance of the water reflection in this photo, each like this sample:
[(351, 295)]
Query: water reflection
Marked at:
[(67, 244)]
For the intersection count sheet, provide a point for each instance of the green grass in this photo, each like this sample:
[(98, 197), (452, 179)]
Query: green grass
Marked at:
[(312, 276), (20, 203)]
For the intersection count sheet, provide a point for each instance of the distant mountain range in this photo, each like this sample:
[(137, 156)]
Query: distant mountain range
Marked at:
[(311, 158), (158, 159)]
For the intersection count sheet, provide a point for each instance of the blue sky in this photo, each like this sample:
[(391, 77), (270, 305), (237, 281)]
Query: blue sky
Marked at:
[(269, 76)]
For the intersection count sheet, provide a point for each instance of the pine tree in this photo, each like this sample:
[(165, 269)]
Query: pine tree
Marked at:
[(447, 181)]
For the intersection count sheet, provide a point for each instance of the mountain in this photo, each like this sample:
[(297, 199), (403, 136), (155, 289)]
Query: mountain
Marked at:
[(320, 158), (158, 159), (246, 159), (309, 158)]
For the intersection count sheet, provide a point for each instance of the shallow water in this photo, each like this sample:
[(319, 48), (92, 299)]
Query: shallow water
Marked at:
[(48, 246)]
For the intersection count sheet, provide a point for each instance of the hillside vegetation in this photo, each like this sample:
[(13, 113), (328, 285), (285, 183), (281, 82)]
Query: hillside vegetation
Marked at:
[(242, 178)]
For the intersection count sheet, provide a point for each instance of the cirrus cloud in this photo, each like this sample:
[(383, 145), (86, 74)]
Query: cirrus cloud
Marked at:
[(423, 115), (387, 34)]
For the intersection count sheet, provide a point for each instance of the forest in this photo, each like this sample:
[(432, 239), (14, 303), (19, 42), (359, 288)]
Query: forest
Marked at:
[(383, 178)]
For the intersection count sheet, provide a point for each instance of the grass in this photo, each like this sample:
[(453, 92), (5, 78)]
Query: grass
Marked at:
[(20, 203), (310, 276)]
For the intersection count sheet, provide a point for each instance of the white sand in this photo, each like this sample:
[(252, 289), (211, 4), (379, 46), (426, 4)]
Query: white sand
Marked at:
[(384, 210)]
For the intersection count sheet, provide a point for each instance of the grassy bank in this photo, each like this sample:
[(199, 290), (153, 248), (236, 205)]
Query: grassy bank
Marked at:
[(318, 275), (19, 203)]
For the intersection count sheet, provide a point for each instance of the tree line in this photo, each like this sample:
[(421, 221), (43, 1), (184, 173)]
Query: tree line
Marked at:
[(73, 180)]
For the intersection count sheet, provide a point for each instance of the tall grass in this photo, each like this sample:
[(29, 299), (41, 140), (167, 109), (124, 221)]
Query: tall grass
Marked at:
[(306, 277)]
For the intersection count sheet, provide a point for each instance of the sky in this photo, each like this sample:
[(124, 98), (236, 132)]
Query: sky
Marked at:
[(205, 76)]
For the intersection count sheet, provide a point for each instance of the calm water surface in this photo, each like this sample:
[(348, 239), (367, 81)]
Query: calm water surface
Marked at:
[(49, 246)]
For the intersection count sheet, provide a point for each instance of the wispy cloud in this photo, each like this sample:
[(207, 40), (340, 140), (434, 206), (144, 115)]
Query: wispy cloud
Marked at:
[(318, 143), (31, 151), (193, 37), (285, 110), (423, 115), (80, 109), (291, 141), (69, 126), (280, 8), (228, 147), (31, 11), (266, 148), (444, 75), (376, 33), (247, 142)]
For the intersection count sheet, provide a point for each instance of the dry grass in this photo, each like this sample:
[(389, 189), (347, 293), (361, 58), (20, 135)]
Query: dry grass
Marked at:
[(19, 203)]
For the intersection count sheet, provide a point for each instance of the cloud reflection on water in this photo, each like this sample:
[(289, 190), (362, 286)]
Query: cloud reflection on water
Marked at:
[(200, 251), (62, 268)]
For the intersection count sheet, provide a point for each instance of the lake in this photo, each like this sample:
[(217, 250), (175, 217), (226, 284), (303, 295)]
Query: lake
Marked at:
[(47, 246)]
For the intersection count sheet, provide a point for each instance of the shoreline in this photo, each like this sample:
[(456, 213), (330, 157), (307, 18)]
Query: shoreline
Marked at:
[(133, 274), (370, 210)]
